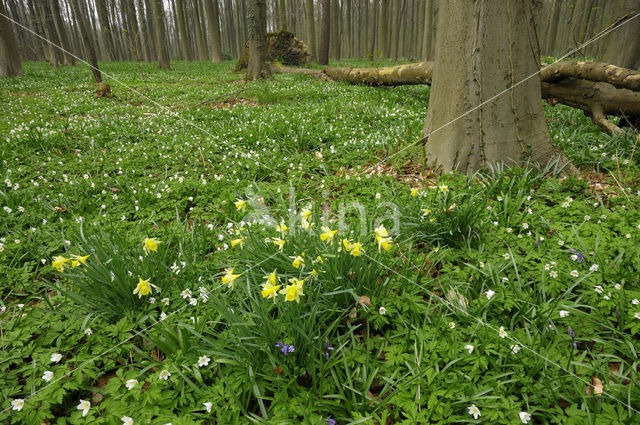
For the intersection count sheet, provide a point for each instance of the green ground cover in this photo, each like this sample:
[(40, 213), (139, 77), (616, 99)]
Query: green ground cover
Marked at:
[(514, 292)]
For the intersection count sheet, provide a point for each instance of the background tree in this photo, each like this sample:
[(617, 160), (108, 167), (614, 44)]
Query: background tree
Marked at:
[(182, 31), (79, 11), (257, 27), (9, 55), (325, 31), (310, 28), (623, 44), (157, 10), (497, 48), (213, 21)]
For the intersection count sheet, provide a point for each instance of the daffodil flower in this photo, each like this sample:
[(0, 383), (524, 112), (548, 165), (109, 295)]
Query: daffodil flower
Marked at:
[(306, 225), (443, 188), (305, 213), (150, 244), (229, 277), (278, 242), (297, 262), (269, 288), (77, 260), (414, 191), (143, 287), (327, 234), (282, 227), (59, 262), (293, 291), (355, 249), (347, 245), (314, 273), (240, 204), (383, 243), (235, 242), (381, 231)]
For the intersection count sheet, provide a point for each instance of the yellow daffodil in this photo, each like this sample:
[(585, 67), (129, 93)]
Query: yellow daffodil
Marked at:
[(59, 262), (327, 234), (381, 231), (77, 260), (150, 244), (278, 242), (313, 273), (229, 278), (319, 259), (293, 291), (269, 288), (347, 244), (414, 191), (425, 212), (306, 213), (443, 188), (271, 278), (143, 287), (240, 204), (306, 225), (282, 227), (297, 262), (355, 249), (383, 243), (235, 242)]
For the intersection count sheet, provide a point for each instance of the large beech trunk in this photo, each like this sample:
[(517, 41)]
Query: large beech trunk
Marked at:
[(597, 88)]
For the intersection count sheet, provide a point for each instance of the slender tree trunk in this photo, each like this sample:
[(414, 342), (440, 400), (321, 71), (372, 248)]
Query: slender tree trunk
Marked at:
[(384, 28), (428, 31), (497, 46), (182, 31), (310, 28), (372, 30), (157, 10), (79, 11), (282, 15), (323, 54), (553, 30), (62, 33), (105, 26), (201, 42), (10, 65), (257, 31), (622, 45), (213, 21)]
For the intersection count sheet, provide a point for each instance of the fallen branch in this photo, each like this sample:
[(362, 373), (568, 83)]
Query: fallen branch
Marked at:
[(599, 89)]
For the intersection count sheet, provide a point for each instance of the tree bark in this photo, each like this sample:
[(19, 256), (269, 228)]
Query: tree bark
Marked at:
[(323, 54), (282, 15), (157, 10), (10, 65), (182, 31), (257, 40), (213, 20), (105, 26), (62, 33), (428, 31), (622, 45), (310, 28), (372, 30), (201, 41), (553, 30), (79, 11)]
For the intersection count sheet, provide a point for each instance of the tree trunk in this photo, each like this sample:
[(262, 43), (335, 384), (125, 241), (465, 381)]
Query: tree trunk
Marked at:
[(157, 10), (323, 54), (107, 37), (257, 40), (553, 30), (9, 54), (428, 31), (182, 31), (310, 28), (213, 20), (372, 30), (496, 48), (622, 45), (282, 15), (201, 41), (62, 33), (384, 28), (79, 11)]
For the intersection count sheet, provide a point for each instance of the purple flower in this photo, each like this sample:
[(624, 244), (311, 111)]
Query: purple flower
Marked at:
[(286, 349), (580, 256), (330, 421), (327, 348), (572, 334)]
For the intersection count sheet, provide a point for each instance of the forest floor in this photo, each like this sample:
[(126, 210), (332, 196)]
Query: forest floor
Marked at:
[(509, 296)]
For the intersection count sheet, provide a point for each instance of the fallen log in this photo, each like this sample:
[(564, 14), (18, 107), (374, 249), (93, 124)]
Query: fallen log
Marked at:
[(599, 89)]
